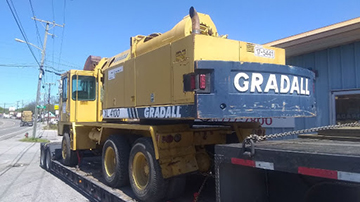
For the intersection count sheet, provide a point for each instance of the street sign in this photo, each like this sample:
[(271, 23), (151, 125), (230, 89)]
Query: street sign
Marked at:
[(41, 107), (56, 107)]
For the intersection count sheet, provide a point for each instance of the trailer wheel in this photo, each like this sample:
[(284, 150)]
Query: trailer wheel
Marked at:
[(42, 157), (48, 160), (115, 159), (69, 157), (176, 187), (145, 173)]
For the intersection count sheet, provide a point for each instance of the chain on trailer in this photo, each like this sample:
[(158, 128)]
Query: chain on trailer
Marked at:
[(248, 143)]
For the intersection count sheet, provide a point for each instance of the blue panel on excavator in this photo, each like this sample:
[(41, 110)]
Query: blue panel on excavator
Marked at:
[(254, 90)]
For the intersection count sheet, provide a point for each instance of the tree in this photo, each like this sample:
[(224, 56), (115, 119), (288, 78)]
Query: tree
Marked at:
[(30, 107)]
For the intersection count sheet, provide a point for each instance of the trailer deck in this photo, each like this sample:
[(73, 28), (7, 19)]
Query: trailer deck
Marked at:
[(87, 179), (292, 155), (277, 164)]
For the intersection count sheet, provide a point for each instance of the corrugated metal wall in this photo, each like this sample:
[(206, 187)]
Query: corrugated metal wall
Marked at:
[(338, 69)]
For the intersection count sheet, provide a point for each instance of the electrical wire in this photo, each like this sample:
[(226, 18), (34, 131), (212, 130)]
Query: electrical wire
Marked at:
[(70, 64), (63, 30), (53, 36), (53, 68), (37, 28), (21, 30), (67, 65), (31, 66)]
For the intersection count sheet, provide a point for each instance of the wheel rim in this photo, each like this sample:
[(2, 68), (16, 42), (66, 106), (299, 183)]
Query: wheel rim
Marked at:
[(140, 171), (110, 161), (64, 149)]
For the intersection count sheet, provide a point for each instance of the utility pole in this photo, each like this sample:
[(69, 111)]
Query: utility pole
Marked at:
[(17, 105), (41, 69), (48, 108)]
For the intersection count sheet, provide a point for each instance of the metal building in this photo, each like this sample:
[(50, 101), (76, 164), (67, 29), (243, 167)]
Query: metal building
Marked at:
[(333, 53)]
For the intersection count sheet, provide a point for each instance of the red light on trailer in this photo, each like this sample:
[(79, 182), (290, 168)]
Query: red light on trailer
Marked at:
[(202, 81), (192, 82)]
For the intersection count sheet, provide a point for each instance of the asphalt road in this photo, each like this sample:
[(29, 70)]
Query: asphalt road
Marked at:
[(21, 178)]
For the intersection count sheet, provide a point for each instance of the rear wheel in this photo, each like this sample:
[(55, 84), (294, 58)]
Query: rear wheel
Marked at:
[(115, 159), (145, 173), (48, 160), (42, 158), (69, 157)]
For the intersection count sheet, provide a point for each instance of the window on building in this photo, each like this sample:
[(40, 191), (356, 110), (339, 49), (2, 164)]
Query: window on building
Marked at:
[(347, 108), (83, 88)]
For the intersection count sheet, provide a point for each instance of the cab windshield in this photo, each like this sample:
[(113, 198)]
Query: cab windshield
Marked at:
[(83, 88)]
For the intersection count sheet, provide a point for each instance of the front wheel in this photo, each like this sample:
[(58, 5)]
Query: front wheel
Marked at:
[(69, 157), (145, 174)]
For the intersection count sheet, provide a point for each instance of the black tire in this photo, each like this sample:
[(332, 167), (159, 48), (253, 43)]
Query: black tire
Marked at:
[(146, 186), (69, 157), (42, 157), (115, 159), (48, 160), (176, 187)]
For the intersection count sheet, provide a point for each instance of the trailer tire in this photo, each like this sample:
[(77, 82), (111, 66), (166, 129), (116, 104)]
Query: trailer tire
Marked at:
[(42, 157), (48, 160), (176, 187), (115, 159), (145, 173), (69, 157)]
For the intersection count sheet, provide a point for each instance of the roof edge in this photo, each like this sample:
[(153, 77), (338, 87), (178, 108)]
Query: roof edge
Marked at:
[(316, 32)]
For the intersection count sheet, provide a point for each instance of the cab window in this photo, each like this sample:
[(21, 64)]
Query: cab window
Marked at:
[(64, 89), (83, 88)]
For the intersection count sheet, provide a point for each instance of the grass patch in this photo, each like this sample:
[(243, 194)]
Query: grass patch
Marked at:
[(30, 139), (50, 127)]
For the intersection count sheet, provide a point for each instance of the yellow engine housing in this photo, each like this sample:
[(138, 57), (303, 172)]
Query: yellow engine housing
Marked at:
[(151, 72)]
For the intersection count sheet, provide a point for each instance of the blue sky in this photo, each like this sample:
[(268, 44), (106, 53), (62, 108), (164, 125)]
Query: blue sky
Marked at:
[(104, 27)]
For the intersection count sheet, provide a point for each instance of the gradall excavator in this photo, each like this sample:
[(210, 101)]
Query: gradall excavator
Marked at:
[(156, 110)]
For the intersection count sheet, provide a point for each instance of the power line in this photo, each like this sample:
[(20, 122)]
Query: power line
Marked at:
[(70, 64), (21, 30), (53, 36), (37, 28), (56, 71), (53, 12), (63, 30), (53, 68), (66, 65)]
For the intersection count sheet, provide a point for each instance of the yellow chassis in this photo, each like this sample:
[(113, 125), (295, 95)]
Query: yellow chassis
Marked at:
[(175, 157)]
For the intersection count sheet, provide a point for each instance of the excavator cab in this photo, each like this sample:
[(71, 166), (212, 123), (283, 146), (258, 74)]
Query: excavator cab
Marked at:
[(79, 96)]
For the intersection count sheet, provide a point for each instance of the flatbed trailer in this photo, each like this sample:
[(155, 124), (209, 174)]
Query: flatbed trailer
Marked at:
[(302, 169), (87, 178)]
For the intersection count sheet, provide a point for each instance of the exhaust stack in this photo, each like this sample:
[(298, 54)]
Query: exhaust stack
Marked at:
[(195, 20)]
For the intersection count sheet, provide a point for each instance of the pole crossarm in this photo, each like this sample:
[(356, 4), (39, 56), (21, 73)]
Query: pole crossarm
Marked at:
[(48, 22)]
